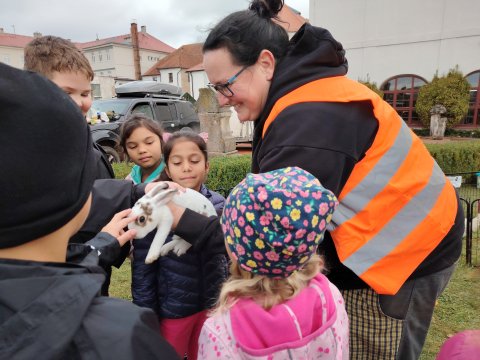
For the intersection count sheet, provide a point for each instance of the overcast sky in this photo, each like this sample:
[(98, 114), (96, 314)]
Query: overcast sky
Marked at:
[(175, 22)]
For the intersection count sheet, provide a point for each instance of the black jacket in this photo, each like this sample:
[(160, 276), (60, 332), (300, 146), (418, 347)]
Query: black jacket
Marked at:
[(177, 287), (54, 311), (109, 196), (327, 139), (104, 168)]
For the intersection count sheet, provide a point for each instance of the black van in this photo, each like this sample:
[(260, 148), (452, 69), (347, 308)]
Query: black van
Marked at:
[(161, 102)]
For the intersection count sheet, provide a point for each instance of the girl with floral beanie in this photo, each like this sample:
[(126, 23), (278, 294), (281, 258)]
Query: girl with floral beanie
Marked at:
[(276, 304)]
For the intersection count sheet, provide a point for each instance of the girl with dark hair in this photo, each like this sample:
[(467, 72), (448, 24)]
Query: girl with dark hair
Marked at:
[(141, 138), (180, 289), (396, 205), (191, 283)]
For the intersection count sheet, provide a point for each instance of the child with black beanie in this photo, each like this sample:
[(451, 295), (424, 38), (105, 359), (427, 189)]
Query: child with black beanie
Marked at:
[(50, 308)]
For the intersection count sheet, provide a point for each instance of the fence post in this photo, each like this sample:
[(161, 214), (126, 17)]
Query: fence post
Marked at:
[(468, 240), (470, 221)]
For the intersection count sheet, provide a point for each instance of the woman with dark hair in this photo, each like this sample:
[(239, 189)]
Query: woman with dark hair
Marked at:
[(397, 233)]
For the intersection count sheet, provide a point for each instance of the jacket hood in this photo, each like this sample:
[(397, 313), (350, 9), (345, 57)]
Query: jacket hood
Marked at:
[(294, 322), (42, 306), (312, 54)]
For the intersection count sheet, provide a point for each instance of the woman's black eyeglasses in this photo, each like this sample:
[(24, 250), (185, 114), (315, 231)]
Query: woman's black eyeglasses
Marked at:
[(224, 88)]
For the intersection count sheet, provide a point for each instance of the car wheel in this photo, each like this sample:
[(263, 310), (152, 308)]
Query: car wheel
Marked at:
[(191, 127), (186, 129), (112, 154), (195, 128)]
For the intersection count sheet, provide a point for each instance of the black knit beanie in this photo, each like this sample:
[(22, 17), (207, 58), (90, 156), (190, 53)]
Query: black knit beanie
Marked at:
[(46, 157)]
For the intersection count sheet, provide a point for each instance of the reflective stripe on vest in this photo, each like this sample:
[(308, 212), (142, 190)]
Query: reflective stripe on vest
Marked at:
[(396, 206)]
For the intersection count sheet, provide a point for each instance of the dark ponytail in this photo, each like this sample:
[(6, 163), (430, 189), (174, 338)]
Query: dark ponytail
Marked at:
[(246, 33), (265, 8)]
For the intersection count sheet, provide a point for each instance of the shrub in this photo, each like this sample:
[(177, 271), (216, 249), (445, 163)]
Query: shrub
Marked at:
[(451, 91), (224, 174), (422, 132), (372, 86), (457, 157), (473, 133)]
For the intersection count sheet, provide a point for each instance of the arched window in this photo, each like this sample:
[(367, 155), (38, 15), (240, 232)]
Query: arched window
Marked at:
[(401, 92), (473, 116)]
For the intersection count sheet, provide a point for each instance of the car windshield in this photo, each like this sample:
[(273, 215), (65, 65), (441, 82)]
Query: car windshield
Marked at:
[(112, 107)]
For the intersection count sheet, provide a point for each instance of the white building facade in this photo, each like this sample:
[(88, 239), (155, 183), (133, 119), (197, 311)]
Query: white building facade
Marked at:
[(401, 45)]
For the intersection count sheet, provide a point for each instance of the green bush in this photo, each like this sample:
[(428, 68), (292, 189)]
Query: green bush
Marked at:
[(225, 172), (372, 86), (473, 133), (457, 157), (451, 91), (422, 132)]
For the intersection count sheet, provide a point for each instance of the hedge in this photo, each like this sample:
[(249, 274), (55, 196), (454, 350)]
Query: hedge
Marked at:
[(457, 157), (226, 172), (463, 133)]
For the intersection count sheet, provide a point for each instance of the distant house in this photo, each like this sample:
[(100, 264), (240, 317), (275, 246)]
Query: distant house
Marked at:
[(172, 69), (198, 79), (113, 56), (11, 48), (112, 59)]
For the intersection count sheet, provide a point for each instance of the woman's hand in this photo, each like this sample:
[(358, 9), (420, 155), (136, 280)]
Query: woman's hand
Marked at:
[(116, 227)]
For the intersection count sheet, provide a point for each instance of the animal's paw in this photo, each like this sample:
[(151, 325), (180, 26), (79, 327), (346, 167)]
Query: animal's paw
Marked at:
[(178, 246), (182, 247), (150, 259)]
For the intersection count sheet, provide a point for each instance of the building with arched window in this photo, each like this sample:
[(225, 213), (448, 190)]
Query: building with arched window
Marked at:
[(401, 45), (401, 92), (473, 116)]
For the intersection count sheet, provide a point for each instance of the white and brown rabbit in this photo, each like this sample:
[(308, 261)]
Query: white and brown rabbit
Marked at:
[(152, 212)]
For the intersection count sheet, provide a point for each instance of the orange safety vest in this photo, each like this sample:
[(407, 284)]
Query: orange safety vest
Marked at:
[(397, 204)]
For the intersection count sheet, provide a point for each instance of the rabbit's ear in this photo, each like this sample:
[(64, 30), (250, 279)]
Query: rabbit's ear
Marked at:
[(158, 188), (163, 196)]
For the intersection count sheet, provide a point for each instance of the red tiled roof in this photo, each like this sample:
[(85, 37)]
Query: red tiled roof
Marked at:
[(145, 42), (198, 67), (184, 57), (14, 40), (289, 19)]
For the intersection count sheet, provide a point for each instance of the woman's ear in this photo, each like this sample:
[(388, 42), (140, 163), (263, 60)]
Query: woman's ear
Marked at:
[(266, 60)]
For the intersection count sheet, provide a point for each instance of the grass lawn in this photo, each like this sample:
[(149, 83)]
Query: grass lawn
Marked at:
[(121, 281), (457, 309)]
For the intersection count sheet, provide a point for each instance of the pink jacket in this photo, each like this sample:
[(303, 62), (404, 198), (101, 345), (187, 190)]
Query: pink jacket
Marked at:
[(313, 325)]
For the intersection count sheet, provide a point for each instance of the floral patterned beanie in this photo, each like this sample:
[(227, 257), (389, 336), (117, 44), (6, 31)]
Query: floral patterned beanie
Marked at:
[(273, 222)]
